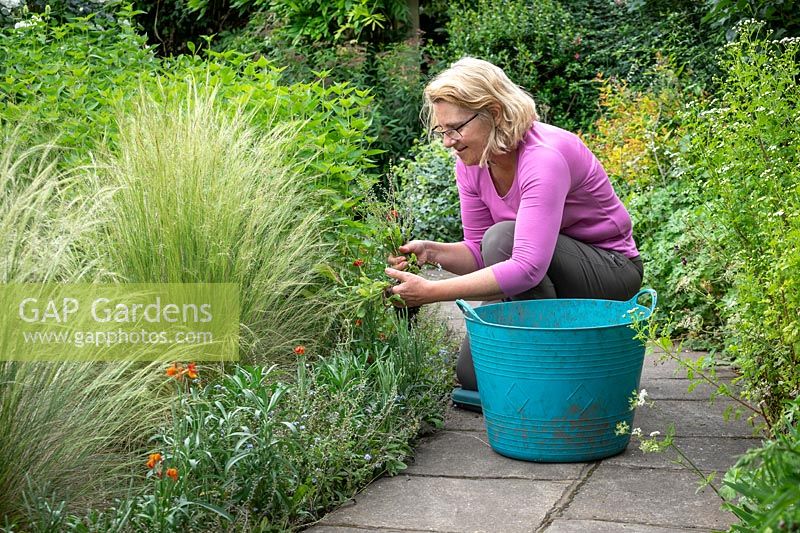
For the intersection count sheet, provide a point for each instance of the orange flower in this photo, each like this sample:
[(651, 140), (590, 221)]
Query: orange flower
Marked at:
[(191, 371), (175, 370), (172, 473), (358, 322), (358, 262), (393, 214), (299, 350), (154, 459)]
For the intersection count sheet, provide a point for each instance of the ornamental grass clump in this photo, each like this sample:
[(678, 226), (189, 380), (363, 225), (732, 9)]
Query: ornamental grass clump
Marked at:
[(70, 431), (66, 429), (204, 197), (43, 216)]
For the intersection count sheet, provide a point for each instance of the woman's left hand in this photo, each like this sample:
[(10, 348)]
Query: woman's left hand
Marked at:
[(414, 290)]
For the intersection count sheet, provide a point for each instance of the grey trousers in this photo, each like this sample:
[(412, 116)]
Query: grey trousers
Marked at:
[(577, 270)]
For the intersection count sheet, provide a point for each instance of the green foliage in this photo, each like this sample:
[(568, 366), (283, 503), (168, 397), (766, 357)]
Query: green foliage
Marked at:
[(765, 482), (389, 73), (554, 49), (397, 85), (640, 140), (672, 231), (746, 150), (782, 16), (63, 81), (69, 81), (331, 120), (623, 39), (173, 25), (342, 20), (428, 187), (262, 450), (534, 43), (385, 223)]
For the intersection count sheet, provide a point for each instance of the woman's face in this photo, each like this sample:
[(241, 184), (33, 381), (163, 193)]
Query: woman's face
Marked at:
[(473, 132)]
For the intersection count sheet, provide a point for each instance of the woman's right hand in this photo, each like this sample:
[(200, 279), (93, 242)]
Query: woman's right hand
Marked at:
[(421, 249)]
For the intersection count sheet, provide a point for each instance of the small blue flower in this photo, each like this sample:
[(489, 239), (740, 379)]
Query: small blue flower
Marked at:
[(367, 457)]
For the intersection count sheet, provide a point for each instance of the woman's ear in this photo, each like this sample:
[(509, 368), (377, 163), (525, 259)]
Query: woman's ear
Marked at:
[(496, 111)]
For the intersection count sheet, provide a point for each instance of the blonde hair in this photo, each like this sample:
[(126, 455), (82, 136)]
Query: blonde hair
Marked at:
[(480, 86)]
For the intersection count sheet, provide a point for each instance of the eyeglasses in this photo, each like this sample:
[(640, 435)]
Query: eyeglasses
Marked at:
[(453, 133)]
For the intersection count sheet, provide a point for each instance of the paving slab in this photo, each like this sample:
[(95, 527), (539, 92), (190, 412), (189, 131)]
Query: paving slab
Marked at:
[(676, 389), (597, 526), (691, 419), (468, 455), (337, 529), (463, 420), (708, 453), (450, 505), (647, 496), (668, 368)]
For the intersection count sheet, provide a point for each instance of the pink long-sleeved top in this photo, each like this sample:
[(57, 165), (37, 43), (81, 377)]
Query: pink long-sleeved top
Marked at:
[(560, 187)]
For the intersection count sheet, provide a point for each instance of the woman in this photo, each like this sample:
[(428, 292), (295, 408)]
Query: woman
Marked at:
[(540, 217)]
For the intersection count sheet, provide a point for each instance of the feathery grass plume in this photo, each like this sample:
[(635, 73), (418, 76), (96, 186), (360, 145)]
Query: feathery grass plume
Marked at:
[(205, 198), (72, 431), (44, 215), (65, 428)]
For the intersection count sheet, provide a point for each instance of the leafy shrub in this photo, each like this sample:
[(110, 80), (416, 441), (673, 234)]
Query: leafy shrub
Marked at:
[(318, 20), (389, 72), (623, 39), (63, 80), (71, 80), (779, 15), (428, 188), (638, 133), (534, 43), (170, 25), (746, 151), (397, 85), (640, 140)]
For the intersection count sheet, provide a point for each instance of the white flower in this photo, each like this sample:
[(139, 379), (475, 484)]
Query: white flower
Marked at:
[(637, 432), (642, 398), (11, 4), (23, 24)]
